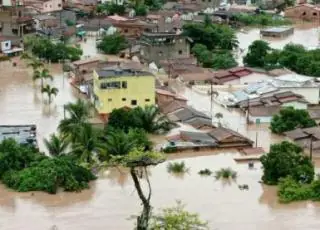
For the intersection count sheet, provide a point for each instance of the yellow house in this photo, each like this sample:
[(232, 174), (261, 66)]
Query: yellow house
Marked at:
[(116, 87)]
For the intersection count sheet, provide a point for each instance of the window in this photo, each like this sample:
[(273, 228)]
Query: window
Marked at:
[(110, 85), (180, 52), (133, 102), (124, 85), (315, 14), (304, 13), (6, 44), (160, 53), (109, 99), (124, 99), (126, 30), (147, 100), (59, 5)]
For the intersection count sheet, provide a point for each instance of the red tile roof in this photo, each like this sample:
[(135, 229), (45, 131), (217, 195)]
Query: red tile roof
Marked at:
[(223, 76)]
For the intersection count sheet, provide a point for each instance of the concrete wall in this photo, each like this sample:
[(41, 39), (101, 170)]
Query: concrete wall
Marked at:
[(310, 94), (296, 105), (51, 6), (303, 12), (139, 88), (253, 119), (251, 78), (180, 49)]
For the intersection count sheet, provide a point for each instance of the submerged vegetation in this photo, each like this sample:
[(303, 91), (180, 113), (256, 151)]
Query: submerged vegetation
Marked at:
[(177, 218), (293, 56), (292, 190), (24, 168), (177, 167), (44, 48), (286, 159), (289, 119), (262, 19), (225, 173), (205, 172)]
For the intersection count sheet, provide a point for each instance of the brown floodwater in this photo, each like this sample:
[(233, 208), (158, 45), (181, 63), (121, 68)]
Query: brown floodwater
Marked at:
[(111, 200)]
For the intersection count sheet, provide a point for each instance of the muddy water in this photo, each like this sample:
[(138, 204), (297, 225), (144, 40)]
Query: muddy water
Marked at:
[(112, 199), (22, 102), (304, 34)]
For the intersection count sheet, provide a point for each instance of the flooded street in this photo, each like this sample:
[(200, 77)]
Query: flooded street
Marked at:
[(112, 200)]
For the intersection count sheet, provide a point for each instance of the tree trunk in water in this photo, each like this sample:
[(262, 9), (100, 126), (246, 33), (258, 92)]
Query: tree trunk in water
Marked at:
[(143, 219)]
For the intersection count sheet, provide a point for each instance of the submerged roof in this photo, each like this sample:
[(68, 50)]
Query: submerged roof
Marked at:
[(23, 134), (121, 72)]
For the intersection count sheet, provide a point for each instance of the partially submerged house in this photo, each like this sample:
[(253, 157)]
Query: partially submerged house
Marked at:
[(160, 46), (165, 97), (190, 116), (305, 86), (304, 137), (239, 76), (214, 138), (262, 109), (304, 12), (130, 27), (22, 134)]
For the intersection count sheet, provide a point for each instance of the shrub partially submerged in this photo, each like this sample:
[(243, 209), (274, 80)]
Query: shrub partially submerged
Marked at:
[(291, 190), (225, 173), (24, 168), (205, 172), (49, 175), (177, 167)]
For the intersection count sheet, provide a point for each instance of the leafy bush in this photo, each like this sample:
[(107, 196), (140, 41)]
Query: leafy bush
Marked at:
[(23, 168), (286, 159), (141, 10), (225, 173), (170, 149), (70, 23), (45, 48), (294, 57), (49, 175), (291, 190), (205, 172), (112, 44), (213, 36), (177, 218), (290, 119), (148, 118), (176, 167), (17, 157), (215, 60), (260, 19)]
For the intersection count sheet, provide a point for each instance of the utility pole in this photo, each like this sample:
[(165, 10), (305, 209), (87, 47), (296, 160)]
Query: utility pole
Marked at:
[(248, 109), (311, 146), (211, 97)]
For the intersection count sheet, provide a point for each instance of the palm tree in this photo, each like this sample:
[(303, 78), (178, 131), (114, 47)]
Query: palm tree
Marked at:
[(151, 120), (118, 143), (35, 63), (50, 91), (42, 75), (56, 146), (87, 144), (78, 115), (219, 116)]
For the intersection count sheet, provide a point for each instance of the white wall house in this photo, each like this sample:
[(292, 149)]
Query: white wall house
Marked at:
[(5, 45), (251, 78)]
